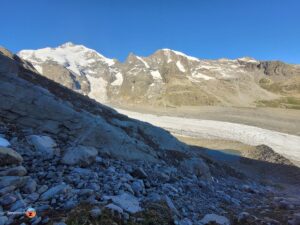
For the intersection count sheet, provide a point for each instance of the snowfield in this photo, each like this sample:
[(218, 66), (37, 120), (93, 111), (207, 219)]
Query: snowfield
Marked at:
[(285, 144)]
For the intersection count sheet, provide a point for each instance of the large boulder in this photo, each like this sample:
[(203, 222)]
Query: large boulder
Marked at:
[(81, 156), (9, 156), (126, 201), (44, 145)]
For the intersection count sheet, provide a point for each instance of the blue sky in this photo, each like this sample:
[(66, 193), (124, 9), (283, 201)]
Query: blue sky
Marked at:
[(263, 29)]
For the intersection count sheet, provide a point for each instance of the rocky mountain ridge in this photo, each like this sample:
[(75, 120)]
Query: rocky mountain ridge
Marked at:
[(167, 77)]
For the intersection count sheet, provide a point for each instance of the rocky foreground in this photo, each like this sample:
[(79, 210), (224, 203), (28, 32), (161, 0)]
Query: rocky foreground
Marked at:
[(78, 162), (38, 173)]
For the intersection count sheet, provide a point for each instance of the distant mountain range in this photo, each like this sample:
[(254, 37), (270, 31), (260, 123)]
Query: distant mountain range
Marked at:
[(169, 78)]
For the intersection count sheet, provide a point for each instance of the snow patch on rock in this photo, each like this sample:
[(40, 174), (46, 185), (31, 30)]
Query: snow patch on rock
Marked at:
[(98, 88), (156, 75), (118, 81), (143, 61), (202, 76), (181, 54), (180, 66)]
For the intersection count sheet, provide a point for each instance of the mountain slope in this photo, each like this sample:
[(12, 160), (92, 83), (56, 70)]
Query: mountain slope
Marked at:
[(167, 77), (30, 100)]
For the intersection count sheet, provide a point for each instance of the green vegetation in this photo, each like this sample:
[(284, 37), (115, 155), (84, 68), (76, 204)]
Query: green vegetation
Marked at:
[(291, 86), (155, 214), (284, 102), (267, 84)]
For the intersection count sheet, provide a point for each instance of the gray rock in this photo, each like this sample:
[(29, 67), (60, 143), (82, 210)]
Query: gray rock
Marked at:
[(138, 187), (81, 155), (42, 208), (13, 181), (42, 189), (30, 186), (213, 218), (36, 220), (6, 190), (95, 212), (114, 208), (285, 204), (248, 188), (20, 204), (127, 202), (82, 171), (126, 177), (33, 197), (94, 187), (185, 221), (86, 192), (8, 199), (171, 206), (54, 191), (195, 166), (295, 219), (53, 201), (4, 142), (9, 156), (46, 220), (14, 171), (139, 173), (128, 188), (44, 145), (3, 220), (154, 197), (70, 204)]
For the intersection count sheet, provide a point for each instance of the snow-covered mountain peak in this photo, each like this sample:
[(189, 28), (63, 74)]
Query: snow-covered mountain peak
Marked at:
[(67, 44), (74, 57), (248, 60), (168, 52)]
